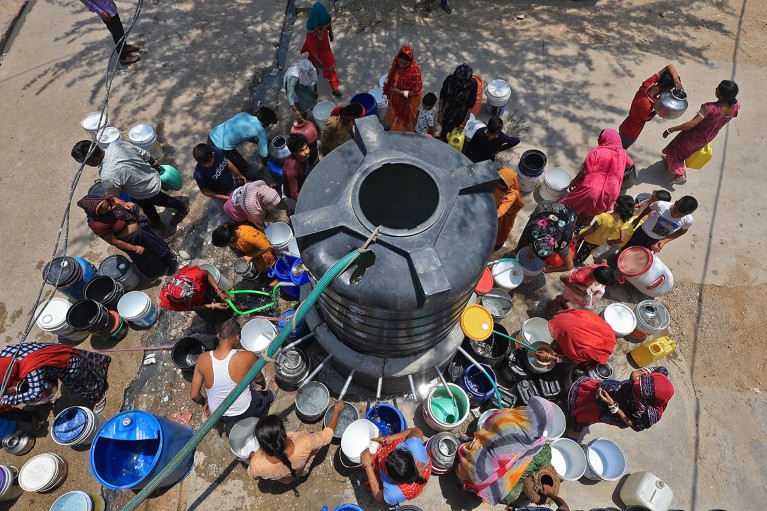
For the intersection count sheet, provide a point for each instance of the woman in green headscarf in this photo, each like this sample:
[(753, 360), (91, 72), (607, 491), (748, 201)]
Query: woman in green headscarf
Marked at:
[(319, 35)]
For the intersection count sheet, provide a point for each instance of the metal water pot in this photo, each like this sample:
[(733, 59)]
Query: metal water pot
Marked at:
[(671, 104), (278, 149)]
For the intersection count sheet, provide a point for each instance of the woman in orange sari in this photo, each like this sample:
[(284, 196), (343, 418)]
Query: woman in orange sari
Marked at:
[(508, 202), (404, 89)]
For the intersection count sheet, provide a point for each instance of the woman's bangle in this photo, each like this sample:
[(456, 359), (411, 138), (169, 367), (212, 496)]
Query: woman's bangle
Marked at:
[(646, 370), (613, 409), (367, 465)]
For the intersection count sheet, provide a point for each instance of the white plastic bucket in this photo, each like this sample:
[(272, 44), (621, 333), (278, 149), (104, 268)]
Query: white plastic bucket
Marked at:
[(557, 427), (43, 473), (382, 80), (293, 248), (219, 277), (144, 136), (91, 124), (382, 102), (536, 329), (78, 501), (497, 93), (52, 318), (621, 319), (605, 460), (107, 135), (357, 437), (136, 308), (321, 113), (472, 126), (88, 422), (242, 438), (485, 415), (532, 266), (528, 184), (556, 180), (279, 235), (508, 274), (568, 459), (257, 334), (645, 271), (10, 489)]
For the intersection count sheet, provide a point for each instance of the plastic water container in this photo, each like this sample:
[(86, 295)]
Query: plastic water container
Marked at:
[(438, 408), (655, 349), (71, 274), (242, 438), (52, 318), (91, 124), (121, 269), (645, 271), (76, 425), (9, 486), (282, 270), (257, 334), (477, 386), (382, 102), (107, 135), (568, 459), (647, 490), (532, 266), (79, 501), (218, 277), (508, 274), (556, 180), (605, 460), (480, 91), (134, 446), (456, 138), (144, 136), (321, 113), (136, 308), (43, 473), (279, 235), (498, 93), (535, 330)]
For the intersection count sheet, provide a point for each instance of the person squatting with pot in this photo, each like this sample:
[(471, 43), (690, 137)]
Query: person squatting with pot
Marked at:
[(194, 289), (220, 370)]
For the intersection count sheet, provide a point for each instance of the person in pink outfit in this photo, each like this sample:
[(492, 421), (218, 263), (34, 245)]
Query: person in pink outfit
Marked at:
[(598, 184)]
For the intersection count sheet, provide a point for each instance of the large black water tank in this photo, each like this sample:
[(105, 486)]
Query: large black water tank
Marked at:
[(437, 223)]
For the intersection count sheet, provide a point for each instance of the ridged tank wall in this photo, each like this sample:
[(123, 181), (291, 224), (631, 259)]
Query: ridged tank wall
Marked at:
[(437, 222)]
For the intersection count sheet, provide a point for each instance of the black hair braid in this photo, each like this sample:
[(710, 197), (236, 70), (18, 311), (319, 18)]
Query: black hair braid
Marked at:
[(285, 461)]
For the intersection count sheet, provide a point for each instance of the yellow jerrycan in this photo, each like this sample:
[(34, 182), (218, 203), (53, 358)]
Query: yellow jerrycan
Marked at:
[(456, 139), (655, 349)]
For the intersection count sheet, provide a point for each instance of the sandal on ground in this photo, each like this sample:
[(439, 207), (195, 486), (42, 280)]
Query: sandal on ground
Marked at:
[(178, 216), (129, 59), (131, 48), (678, 180)]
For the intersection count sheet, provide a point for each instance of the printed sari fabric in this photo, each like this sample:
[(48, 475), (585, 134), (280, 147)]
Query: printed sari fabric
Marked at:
[(403, 112), (582, 336), (495, 462)]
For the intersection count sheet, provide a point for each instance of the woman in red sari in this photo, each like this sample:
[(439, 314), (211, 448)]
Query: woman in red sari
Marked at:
[(319, 35), (598, 184), (404, 89)]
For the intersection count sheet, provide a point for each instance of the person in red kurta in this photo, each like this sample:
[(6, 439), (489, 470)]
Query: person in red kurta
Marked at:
[(582, 336), (404, 89), (319, 35)]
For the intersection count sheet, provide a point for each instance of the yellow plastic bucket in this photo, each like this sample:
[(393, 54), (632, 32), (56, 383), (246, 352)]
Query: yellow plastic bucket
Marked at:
[(476, 322)]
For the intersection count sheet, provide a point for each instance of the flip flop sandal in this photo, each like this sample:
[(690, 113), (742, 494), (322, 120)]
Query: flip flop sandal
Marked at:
[(99, 407)]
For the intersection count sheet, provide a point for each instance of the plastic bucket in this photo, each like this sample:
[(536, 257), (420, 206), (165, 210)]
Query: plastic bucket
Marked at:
[(104, 290), (242, 438), (122, 270), (312, 400), (89, 316), (497, 302), (480, 92), (9, 486), (605, 460), (6, 428), (498, 93), (492, 351), (485, 415), (287, 322), (43, 473), (438, 408), (568, 459), (71, 274), (532, 266), (75, 425), (257, 335), (508, 274), (219, 277), (120, 328), (144, 136), (557, 427), (170, 178), (382, 102), (134, 446), (186, 351), (382, 80), (107, 135), (282, 271), (78, 501), (275, 168), (279, 235), (387, 418), (91, 124), (528, 184), (645, 271), (293, 248), (52, 318), (358, 437), (556, 180), (536, 329), (476, 384), (321, 113), (368, 102), (136, 308), (532, 163), (621, 319)]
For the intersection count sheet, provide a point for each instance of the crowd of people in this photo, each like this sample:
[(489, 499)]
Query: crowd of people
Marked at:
[(593, 218)]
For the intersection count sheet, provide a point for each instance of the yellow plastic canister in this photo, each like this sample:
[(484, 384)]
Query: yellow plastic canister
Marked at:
[(456, 139), (653, 350)]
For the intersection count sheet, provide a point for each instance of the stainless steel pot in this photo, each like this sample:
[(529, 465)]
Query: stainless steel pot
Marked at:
[(671, 104), (278, 149)]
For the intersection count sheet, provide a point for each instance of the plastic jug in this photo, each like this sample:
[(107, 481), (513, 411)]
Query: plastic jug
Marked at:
[(655, 349), (456, 139), (646, 490)]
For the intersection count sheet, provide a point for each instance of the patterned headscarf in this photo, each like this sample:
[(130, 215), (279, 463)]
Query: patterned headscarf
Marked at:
[(409, 78), (551, 224), (655, 390), (319, 17), (90, 204)]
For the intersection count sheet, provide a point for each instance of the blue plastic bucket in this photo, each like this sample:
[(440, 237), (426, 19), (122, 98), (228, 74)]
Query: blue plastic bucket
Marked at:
[(275, 168), (387, 417), (303, 275), (368, 102), (281, 271), (288, 322), (348, 507), (134, 446), (70, 274), (477, 386), (6, 428)]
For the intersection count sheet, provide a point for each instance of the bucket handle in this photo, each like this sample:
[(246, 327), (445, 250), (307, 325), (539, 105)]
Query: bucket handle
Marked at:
[(341, 459)]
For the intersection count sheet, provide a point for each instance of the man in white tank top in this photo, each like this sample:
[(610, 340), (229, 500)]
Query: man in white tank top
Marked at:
[(221, 370)]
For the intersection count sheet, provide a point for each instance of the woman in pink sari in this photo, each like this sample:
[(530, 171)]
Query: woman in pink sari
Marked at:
[(598, 184), (702, 129)]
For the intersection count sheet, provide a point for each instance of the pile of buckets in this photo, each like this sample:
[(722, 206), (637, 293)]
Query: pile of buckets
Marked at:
[(76, 425), (70, 274), (43, 473), (141, 135), (497, 93), (532, 165)]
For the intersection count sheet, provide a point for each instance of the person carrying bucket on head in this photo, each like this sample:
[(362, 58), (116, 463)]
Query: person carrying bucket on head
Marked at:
[(84, 373), (124, 167), (220, 370), (286, 456), (400, 468), (244, 127), (319, 35), (194, 289)]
